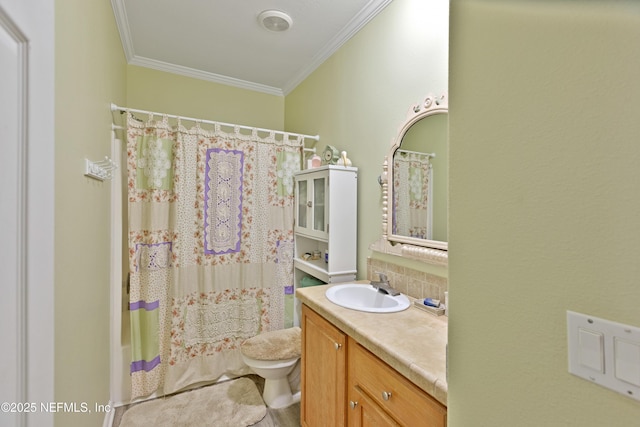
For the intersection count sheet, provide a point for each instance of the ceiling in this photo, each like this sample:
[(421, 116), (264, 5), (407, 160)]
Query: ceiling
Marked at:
[(222, 40)]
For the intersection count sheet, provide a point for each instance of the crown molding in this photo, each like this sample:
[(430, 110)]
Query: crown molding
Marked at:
[(360, 20), (204, 75), (122, 23), (370, 11)]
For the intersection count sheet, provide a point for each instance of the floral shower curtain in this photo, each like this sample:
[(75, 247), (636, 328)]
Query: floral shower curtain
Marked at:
[(412, 183), (210, 248)]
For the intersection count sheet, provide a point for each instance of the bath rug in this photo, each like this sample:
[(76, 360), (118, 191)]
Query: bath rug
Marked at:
[(231, 403)]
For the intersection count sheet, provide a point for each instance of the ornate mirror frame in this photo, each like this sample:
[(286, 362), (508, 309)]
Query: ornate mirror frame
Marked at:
[(429, 251)]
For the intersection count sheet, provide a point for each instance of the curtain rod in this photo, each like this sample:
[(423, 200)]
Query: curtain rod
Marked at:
[(416, 152), (114, 107)]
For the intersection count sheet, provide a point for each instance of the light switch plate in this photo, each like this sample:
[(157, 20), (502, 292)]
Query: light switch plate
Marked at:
[(604, 352)]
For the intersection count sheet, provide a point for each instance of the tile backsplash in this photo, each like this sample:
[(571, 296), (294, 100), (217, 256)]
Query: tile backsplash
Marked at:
[(414, 283)]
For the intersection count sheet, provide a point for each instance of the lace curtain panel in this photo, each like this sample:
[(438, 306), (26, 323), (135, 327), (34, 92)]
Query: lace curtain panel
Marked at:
[(210, 248)]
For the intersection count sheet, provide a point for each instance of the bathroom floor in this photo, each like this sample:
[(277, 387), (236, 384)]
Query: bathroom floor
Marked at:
[(286, 417)]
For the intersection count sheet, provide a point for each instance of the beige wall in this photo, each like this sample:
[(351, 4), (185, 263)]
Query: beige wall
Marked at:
[(163, 92), (90, 74), (545, 204), (358, 99)]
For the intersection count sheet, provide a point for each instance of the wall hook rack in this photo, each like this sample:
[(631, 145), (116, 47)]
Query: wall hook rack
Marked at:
[(100, 170)]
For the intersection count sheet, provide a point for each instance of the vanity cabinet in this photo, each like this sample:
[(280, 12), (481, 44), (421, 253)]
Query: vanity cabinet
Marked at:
[(364, 412), (385, 395), (343, 383), (326, 223), (323, 372)]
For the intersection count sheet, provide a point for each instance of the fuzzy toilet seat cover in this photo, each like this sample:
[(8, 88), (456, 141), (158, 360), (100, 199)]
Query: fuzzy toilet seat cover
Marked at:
[(274, 345)]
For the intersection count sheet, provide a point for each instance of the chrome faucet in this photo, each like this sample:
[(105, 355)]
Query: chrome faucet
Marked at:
[(383, 285)]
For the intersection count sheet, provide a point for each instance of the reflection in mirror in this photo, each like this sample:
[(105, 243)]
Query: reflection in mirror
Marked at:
[(414, 186), (412, 194), (420, 181)]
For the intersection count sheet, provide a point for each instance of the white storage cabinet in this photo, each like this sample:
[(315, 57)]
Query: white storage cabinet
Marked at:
[(326, 222)]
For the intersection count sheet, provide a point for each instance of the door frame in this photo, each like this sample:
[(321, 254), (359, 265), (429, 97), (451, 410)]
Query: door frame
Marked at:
[(30, 23)]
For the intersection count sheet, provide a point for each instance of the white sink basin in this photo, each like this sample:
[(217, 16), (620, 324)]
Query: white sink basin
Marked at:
[(365, 297)]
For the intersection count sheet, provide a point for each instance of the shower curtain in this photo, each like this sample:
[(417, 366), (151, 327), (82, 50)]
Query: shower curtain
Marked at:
[(210, 248), (412, 198)]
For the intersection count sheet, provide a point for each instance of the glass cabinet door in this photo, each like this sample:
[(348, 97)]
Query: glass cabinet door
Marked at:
[(302, 204), (318, 204)]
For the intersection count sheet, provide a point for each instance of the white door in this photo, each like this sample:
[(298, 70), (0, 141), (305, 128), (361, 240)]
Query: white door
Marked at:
[(11, 214), (26, 211)]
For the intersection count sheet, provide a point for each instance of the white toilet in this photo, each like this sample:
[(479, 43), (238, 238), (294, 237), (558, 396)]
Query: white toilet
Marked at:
[(273, 355)]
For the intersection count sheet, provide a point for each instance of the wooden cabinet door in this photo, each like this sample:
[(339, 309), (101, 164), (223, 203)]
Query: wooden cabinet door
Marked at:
[(323, 374), (391, 392), (363, 412)]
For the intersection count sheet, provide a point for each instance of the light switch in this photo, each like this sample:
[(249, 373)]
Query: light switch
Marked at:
[(605, 353), (627, 361), (591, 349)]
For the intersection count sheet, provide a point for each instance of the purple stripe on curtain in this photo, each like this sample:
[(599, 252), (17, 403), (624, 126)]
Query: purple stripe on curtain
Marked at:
[(143, 365), (145, 305)]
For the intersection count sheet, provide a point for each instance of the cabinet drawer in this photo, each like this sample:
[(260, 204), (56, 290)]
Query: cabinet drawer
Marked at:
[(402, 399)]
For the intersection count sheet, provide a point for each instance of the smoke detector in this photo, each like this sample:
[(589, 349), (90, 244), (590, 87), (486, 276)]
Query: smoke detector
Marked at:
[(275, 20)]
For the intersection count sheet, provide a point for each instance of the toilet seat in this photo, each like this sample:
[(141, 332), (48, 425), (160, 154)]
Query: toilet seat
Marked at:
[(281, 344)]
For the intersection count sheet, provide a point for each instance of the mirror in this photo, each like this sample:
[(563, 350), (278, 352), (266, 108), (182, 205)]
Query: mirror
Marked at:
[(414, 185), (419, 204)]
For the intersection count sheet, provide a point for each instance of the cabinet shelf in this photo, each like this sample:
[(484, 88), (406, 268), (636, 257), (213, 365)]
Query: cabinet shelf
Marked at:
[(313, 268), (318, 269), (311, 236)]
